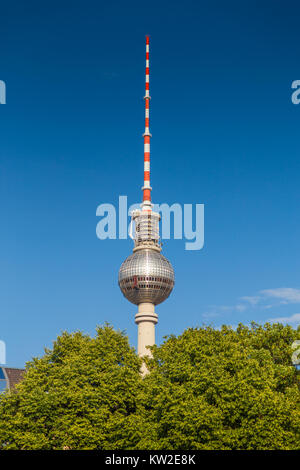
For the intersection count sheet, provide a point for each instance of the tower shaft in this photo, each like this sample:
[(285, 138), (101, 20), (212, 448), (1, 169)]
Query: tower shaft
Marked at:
[(146, 320)]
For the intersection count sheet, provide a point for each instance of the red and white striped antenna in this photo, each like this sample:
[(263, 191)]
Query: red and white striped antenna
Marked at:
[(147, 188)]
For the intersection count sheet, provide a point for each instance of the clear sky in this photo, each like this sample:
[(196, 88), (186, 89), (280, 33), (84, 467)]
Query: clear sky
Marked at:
[(225, 134)]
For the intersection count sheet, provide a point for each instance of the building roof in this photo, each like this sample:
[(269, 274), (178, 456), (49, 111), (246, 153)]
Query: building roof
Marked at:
[(13, 375)]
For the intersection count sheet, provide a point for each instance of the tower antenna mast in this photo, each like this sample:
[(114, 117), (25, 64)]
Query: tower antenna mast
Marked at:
[(147, 188)]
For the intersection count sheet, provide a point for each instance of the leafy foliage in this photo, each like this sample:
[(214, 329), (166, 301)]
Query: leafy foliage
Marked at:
[(81, 394), (225, 389), (207, 389)]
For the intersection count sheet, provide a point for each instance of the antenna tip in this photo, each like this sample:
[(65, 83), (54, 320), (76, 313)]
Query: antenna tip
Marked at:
[(147, 39)]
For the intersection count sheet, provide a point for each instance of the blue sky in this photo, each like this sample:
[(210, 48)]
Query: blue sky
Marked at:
[(225, 134)]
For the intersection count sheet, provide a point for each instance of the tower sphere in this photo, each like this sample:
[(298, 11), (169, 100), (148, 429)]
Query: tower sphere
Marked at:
[(146, 276)]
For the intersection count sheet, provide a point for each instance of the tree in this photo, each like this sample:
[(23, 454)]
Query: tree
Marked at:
[(80, 395), (207, 389), (224, 389)]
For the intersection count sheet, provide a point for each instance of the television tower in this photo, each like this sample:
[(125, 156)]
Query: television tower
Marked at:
[(146, 278)]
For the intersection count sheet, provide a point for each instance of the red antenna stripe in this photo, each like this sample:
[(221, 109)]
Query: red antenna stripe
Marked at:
[(147, 195)]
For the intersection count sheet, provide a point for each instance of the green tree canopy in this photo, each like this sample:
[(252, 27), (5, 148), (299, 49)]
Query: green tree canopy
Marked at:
[(207, 389), (81, 394)]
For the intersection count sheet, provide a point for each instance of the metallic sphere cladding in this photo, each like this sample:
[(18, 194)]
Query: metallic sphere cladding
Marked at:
[(146, 276)]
